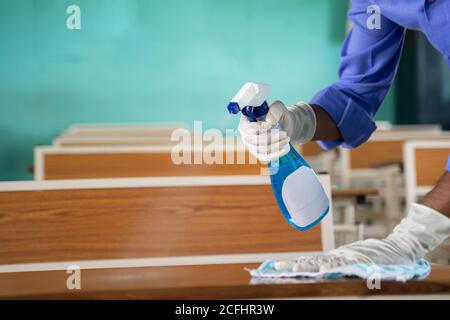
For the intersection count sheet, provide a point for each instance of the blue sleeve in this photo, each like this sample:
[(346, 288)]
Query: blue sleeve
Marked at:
[(447, 167), (369, 59)]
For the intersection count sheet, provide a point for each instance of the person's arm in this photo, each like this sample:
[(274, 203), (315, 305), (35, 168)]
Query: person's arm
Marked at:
[(326, 128), (439, 197), (369, 59), (343, 112)]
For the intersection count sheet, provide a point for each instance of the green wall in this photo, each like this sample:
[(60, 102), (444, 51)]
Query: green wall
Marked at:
[(142, 61)]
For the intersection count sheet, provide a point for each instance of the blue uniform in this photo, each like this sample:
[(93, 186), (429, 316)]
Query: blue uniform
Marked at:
[(369, 59)]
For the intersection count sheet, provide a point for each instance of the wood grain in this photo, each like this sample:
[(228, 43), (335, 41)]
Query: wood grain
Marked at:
[(376, 153), (311, 149), (430, 164), (354, 192), (229, 281), (122, 131), (120, 165), (113, 142), (45, 226)]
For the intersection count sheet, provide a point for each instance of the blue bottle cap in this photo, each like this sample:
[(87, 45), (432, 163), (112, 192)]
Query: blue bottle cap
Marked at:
[(254, 114), (233, 107)]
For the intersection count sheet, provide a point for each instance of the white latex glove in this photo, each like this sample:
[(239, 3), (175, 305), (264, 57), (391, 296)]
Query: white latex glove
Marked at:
[(296, 124), (419, 233)]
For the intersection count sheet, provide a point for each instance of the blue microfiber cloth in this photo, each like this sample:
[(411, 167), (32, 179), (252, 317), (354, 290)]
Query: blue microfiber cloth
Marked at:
[(418, 270)]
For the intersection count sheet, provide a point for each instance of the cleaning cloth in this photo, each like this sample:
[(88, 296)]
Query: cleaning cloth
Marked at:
[(401, 272)]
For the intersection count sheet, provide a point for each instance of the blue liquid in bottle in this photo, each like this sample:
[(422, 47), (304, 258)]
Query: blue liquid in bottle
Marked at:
[(308, 202)]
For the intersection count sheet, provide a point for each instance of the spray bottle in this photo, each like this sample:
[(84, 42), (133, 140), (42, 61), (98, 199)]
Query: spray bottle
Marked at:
[(298, 192)]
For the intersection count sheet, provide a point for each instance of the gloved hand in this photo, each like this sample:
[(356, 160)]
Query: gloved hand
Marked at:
[(296, 124), (419, 233)]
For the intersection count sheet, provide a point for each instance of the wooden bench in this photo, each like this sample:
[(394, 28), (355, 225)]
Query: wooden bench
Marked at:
[(379, 161), (219, 281), (73, 142), (383, 149), (92, 135), (121, 130), (310, 149), (164, 221), (53, 163), (424, 164)]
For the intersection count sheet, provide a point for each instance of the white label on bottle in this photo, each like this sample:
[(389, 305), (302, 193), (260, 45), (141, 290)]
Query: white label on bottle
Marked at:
[(304, 197)]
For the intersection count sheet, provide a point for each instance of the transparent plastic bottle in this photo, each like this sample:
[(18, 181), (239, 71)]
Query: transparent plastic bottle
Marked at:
[(297, 189)]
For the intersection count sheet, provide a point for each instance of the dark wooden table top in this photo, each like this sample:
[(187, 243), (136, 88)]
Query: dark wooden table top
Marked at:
[(228, 281), (354, 192)]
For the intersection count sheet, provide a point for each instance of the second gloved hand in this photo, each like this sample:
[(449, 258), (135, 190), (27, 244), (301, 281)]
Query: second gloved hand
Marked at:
[(267, 141), (419, 233)]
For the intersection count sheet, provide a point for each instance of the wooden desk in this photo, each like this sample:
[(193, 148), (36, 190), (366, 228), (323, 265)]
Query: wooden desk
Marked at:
[(163, 218), (122, 130), (54, 163), (229, 281), (424, 165), (354, 192)]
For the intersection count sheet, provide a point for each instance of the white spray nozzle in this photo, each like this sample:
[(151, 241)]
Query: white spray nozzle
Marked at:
[(250, 95)]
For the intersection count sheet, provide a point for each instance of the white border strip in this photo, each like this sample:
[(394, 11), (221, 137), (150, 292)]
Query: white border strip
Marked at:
[(121, 145), (115, 183), (68, 141), (409, 135), (39, 164), (430, 144), (77, 127), (327, 226), (41, 151), (136, 140), (409, 161), (224, 147), (153, 262)]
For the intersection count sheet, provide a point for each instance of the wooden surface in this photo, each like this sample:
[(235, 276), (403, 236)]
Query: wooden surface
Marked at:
[(149, 164), (375, 153), (430, 164), (122, 130), (113, 142), (354, 192), (310, 149), (201, 282), (43, 226)]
